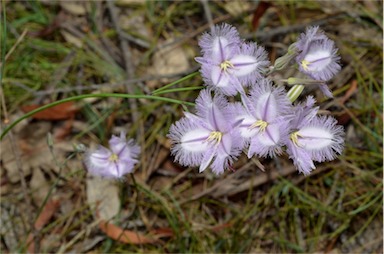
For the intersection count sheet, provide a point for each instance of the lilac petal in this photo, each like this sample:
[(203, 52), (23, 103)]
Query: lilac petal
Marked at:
[(248, 105), (236, 84), (303, 162), (100, 157), (198, 121), (202, 60), (118, 144), (318, 60), (98, 162), (243, 65), (325, 90), (266, 102), (219, 48), (269, 137), (207, 159), (304, 113), (314, 138), (204, 104), (226, 144), (188, 154), (301, 158), (219, 164), (266, 142), (216, 118), (311, 35), (124, 167), (253, 66), (331, 138), (245, 130), (195, 140), (219, 77), (228, 34), (266, 107)]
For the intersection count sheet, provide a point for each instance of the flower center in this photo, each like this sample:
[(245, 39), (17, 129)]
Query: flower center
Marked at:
[(261, 124), (225, 65), (305, 64), (114, 157), (215, 136), (295, 138)]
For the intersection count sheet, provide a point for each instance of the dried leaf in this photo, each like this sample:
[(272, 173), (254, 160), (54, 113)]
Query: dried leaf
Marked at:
[(220, 227), (63, 130), (167, 61), (46, 214), (162, 232), (78, 42), (124, 236), (103, 195), (349, 92), (60, 112), (39, 185)]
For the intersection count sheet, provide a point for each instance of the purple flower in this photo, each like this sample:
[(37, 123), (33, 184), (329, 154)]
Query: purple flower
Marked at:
[(114, 162), (209, 137), (313, 138), (266, 113), (318, 57), (227, 62)]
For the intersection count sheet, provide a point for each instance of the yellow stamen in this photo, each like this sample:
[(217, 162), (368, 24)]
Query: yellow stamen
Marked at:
[(295, 138), (114, 157), (215, 136), (261, 124), (305, 64), (225, 65)]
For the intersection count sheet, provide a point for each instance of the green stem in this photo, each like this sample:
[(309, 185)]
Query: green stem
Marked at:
[(180, 89), (84, 96), (176, 82)]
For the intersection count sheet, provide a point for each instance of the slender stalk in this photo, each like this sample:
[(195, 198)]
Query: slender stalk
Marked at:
[(84, 96), (176, 82), (180, 89)]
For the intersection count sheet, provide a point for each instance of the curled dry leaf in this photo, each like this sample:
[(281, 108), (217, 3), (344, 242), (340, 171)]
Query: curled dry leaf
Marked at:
[(124, 236)]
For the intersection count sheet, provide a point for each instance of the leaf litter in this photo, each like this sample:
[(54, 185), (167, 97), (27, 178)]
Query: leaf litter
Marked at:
[(96, 208)]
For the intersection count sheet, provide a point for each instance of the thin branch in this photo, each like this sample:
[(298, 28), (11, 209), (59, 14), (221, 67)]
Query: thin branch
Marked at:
[(137, 41), (208, 13), (265, 35), (129, 68)]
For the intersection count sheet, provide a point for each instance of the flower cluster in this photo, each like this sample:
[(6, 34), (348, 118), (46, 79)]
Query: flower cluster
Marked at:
[(264, 122), (115, 162)]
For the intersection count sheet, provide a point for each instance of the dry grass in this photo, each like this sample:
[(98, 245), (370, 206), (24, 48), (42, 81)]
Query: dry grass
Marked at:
[(76, 48)]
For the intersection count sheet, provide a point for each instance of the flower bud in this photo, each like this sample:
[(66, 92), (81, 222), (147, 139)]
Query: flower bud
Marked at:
[(295, 92)]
